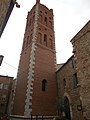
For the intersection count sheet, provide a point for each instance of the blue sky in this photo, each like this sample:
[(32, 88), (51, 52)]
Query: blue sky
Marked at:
[(69, 17)]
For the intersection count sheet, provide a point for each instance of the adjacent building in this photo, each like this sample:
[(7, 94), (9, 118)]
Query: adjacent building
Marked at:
[(6, 89), (74, 79), (68, 90), (6, 7), (81, 49)]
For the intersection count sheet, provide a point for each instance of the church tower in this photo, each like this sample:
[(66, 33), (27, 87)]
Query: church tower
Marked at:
[(36, 88)]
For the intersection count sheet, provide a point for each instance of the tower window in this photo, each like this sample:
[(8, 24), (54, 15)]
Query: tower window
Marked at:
[(45, 20), (51, 44), (24, 43), (50, 23), (45, 12), (39, 37), (30, 38), (44, 82), (40, 11), (45, 39), (40, 18)]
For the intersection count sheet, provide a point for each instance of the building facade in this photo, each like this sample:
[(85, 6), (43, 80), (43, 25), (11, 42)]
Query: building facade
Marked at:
[(6, 7), (36, 88), (74, 79), (6, 86), (68, 91), (81, 49)]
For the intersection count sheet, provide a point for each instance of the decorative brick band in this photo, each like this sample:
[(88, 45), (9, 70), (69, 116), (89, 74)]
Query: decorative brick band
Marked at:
[(29, 92)]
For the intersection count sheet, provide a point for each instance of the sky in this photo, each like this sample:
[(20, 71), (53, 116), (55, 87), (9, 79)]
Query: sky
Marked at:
[(69, 17)]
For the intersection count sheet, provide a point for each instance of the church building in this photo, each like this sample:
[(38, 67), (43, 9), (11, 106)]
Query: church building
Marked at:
[(41, 89)]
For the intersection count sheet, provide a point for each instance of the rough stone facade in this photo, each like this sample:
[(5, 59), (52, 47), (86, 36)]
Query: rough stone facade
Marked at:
[(6, 87), (68, 87), (81, 49)]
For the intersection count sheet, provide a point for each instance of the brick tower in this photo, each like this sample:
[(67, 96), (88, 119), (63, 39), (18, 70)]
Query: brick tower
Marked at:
[(36, 88)]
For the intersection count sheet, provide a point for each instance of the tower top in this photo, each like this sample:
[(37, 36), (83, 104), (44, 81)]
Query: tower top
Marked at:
[(37, 1)]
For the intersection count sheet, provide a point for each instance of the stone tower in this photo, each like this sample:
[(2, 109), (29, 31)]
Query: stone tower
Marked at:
[(36, 88)]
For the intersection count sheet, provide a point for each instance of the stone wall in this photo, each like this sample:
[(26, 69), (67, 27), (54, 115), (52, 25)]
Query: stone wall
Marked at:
[(67, 88), (81, 47)]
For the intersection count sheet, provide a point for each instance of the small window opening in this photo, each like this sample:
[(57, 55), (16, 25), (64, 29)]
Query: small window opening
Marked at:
[(64, 82), (44, 82), (45, 20), (39, 37), (45, 39), (75, 80), (40, 18)]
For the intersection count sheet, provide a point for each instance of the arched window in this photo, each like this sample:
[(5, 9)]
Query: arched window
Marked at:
[(30, 39), (44, 82), (24, 43), (45, 39), (50, 23), (64, 82), (40, 18), (51, 43), (45, 20), (39, 37)]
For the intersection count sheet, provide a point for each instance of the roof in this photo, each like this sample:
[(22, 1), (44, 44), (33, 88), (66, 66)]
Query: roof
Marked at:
[(82, 32), (65, 63)]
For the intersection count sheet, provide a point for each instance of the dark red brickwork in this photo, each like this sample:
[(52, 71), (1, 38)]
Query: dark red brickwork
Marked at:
[(43, 102)]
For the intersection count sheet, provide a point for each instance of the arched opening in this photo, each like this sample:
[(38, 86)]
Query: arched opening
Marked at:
[(44, 85), (67, 108)]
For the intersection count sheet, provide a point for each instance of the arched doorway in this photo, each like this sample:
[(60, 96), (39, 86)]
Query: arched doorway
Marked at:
[(67, 108)]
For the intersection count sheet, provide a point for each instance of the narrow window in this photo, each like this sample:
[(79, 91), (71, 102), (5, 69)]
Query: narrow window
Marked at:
[(45, 20), (30, 39), (64, 83), (45, 39), (50, 23), (51, 44), (40, 18), (24, 43), (75, 80), (44, 85), (45, 12), (73, 63), (39, 37)]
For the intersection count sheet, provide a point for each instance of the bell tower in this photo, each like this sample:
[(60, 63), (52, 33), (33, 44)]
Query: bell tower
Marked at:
[(37, 1), (36, 88)]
